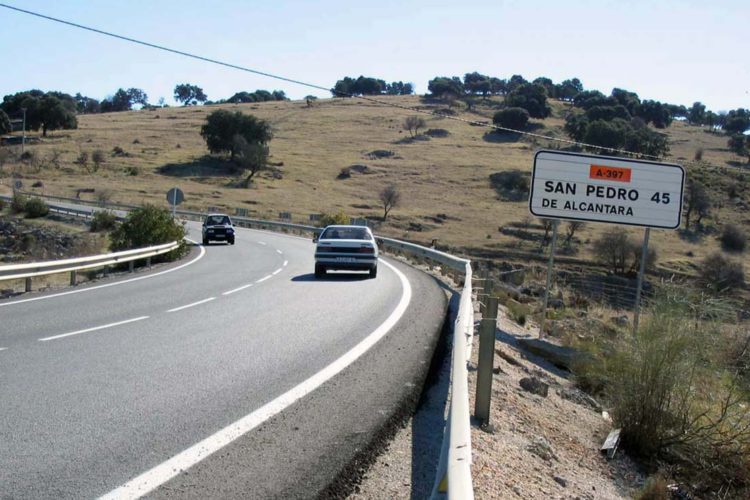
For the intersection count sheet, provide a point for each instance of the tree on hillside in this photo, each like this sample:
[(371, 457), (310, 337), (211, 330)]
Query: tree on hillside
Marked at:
[(362, 85), (498, 86), (48, 111), (512, 118), (5, 126), (124, 100), (399, 88), (532, 98), (590, 98), (548, 85), (655, 112), (86, 105), (697, 201), (697, 113), (476, 83), (440, 86), (390, 197), (568, 89), (413, 124), (737, 121), (222, 127), (629, 100), (516, 81), (189, 94), (740, 145), (251, 157)]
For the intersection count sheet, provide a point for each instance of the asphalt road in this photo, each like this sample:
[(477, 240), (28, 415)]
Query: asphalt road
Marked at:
[(252, 377)]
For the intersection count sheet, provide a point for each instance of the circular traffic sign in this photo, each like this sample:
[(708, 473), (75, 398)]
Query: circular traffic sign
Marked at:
[(175, 196)]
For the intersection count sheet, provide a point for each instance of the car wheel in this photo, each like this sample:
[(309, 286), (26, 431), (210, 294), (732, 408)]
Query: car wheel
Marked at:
[(373, 271), (205, 241), (231, 242), (320, 271)]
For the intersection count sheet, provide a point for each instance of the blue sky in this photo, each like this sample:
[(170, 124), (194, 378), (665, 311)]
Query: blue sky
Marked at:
[(675, 51)]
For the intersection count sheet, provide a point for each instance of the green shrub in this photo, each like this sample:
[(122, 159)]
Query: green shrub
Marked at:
[(674, 396), (147, 226), (132, 171), (518, 312), (2, 205), (333, 219), (512, 118), (733, 239), (722, 275), (18, 203), (103, 220), (36, 207)]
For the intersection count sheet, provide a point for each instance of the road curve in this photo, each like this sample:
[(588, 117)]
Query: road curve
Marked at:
[(99, 387)]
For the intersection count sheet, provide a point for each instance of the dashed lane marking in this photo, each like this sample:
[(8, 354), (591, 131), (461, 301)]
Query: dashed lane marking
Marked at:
[(87, 330), (230, 292), (265, 278), (191, 305)]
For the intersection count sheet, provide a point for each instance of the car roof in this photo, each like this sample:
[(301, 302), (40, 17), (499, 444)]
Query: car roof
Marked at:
[(217, 214), (346, 226)]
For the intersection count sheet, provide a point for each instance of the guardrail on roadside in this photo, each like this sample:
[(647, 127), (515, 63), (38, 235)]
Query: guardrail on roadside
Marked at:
[(31, 270), (454, 468)]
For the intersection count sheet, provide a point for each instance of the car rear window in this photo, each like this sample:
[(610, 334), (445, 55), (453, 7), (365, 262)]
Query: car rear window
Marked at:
[(345, 233), (218, 219)]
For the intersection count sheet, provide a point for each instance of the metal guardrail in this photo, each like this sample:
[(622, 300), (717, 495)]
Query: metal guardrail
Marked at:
[(454, 468)]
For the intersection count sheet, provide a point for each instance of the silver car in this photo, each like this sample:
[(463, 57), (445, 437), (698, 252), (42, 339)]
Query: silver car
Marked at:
[(348, 248)]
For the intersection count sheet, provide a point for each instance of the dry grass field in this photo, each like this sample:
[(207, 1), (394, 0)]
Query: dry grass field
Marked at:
[(444, 181)]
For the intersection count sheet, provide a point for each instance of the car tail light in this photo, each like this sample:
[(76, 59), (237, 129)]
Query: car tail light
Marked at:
[(366, 250)]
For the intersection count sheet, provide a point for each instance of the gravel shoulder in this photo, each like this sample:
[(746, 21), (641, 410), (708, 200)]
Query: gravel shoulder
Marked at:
[(538, 447)]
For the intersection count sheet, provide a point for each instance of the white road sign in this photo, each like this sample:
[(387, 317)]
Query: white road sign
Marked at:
[(606, 189)]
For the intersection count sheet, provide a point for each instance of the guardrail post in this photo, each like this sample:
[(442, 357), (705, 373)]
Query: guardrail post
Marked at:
[(148, 262), (73, 278), (131, 266), (28, 284), (486, 360)]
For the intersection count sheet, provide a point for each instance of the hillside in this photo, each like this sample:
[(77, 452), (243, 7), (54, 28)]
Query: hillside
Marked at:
[(444, 181)]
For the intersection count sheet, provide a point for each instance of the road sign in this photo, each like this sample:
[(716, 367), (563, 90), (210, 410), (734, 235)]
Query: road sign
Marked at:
[(606, 189), (175, 196)]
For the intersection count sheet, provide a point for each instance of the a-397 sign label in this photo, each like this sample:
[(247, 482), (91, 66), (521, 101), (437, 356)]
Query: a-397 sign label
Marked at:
[(606, 189)]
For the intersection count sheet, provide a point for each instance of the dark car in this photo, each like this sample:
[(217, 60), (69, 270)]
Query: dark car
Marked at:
[(218, 227)]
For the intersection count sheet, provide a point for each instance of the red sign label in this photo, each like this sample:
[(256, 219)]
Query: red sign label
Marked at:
[(602, 173)]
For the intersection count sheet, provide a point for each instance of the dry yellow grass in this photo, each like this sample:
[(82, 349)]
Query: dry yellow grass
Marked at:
[(447, 175)]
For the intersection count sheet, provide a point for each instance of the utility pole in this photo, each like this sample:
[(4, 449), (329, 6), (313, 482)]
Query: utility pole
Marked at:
[(23, 133)]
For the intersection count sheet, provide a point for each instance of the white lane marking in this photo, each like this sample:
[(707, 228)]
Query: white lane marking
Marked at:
[(230, 292), (276, 272), (87, 330), (191, 305), (262, 243), (264, 278), (202, 250), (285, 263), (3, 348), (278, 251), (155, 477)]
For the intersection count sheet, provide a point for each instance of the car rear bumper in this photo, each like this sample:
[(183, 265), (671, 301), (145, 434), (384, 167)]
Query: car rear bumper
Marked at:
[(347, 262)]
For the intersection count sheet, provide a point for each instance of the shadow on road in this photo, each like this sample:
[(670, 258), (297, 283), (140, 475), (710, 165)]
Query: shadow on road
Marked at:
[(429, 420), (333, 277)]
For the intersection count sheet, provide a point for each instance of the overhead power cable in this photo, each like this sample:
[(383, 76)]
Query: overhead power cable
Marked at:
[(326, 89)]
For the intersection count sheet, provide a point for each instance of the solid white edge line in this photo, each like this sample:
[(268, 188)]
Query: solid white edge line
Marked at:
[(276, 272), (155, 477), (202, 253), (265, 278), (191, 305), (230, 292), (87, 330)]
